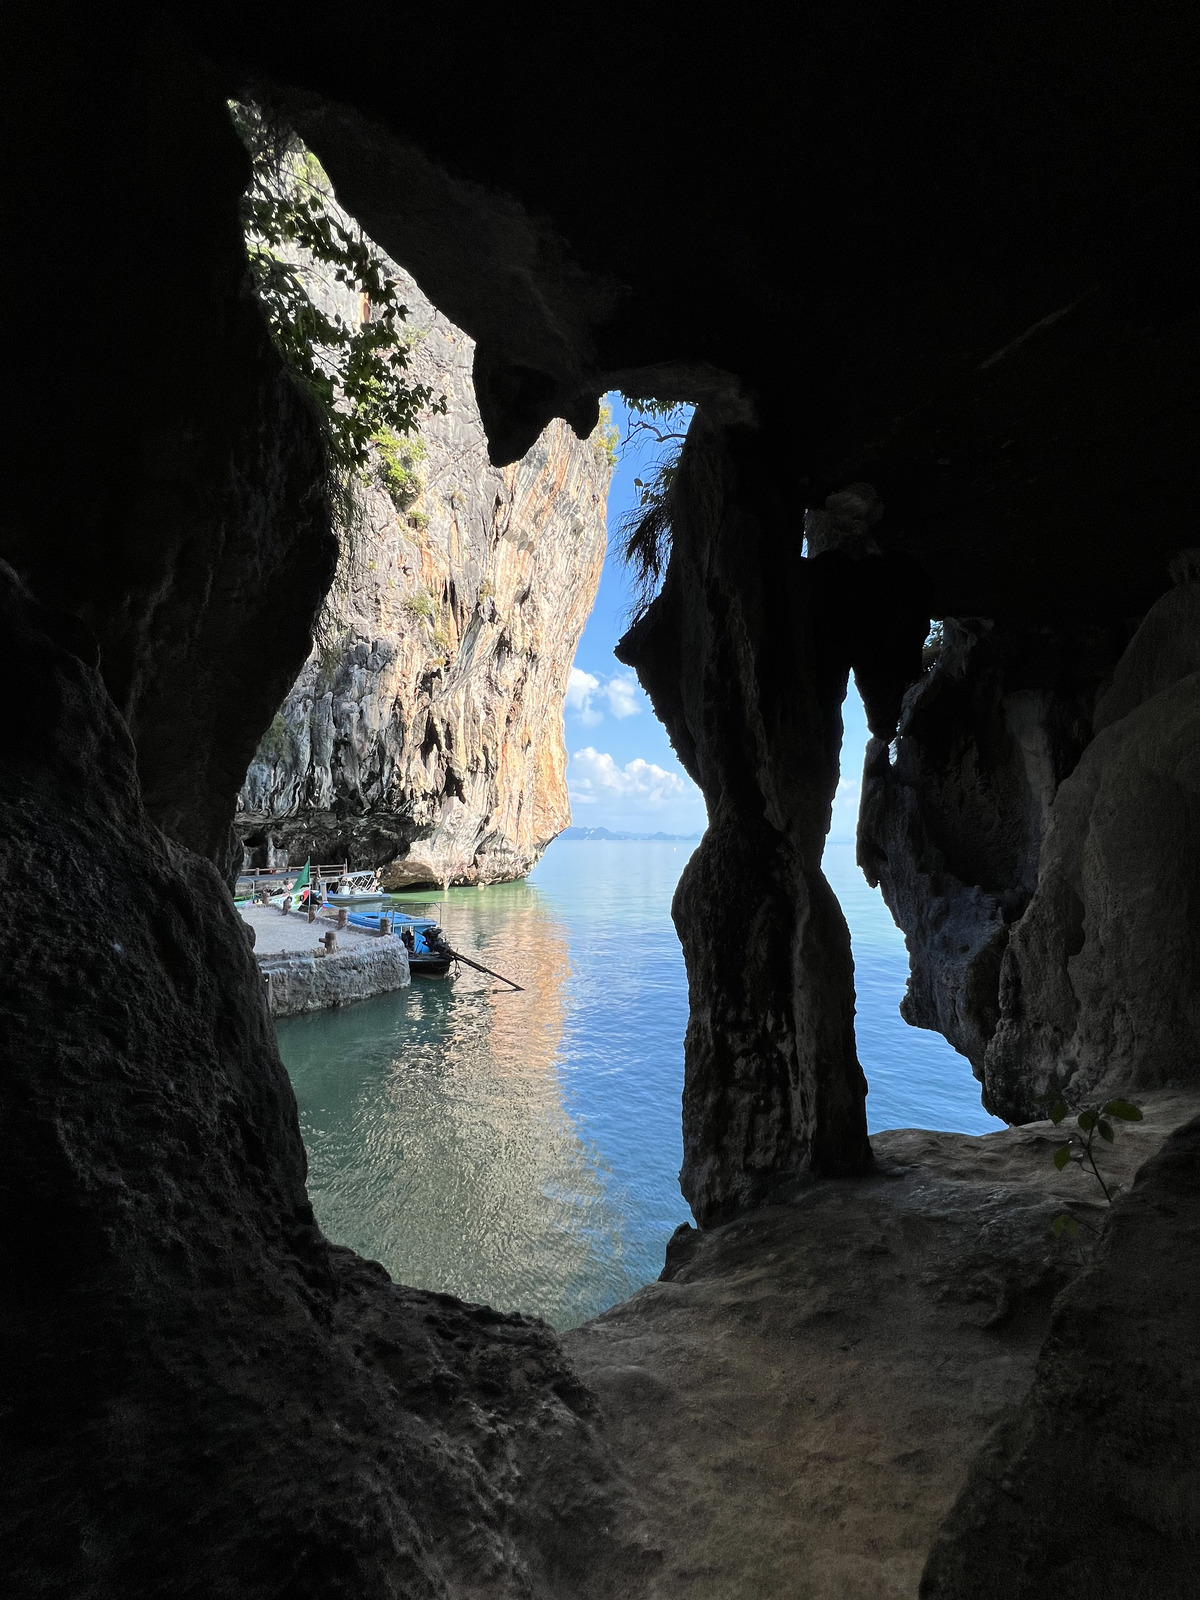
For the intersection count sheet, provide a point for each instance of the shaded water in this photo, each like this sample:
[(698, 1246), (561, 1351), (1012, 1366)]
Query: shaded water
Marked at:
[(523, 1149)]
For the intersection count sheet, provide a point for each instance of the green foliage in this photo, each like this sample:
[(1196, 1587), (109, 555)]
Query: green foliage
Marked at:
[(419, 605), (397, 460), (1090, 1121), (278, 744), (606, 436), (330, 646), (355, 375), (645, 532), (442, 640)]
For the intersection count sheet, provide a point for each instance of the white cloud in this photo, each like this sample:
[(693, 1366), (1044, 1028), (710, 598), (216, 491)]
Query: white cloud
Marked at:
[(594, 775), (585, 689), (846, 798), (621, 691), (581, 686), (844, 822)]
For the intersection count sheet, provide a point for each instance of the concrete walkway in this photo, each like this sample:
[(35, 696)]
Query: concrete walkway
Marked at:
[(301, 976), (277, 935)]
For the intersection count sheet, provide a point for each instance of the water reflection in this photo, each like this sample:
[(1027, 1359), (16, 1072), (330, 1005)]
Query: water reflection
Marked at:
[(523, 1149), (515, 1148)]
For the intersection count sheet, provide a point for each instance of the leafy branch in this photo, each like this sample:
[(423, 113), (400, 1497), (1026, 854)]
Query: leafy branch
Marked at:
[(1080, 1144), (355, 374), (645, 532)]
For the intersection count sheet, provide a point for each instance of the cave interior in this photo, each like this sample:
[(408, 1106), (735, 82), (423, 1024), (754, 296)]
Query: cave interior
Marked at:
[(930, 280)]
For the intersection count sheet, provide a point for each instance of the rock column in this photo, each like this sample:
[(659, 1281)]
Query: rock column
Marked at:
[(734, 656)]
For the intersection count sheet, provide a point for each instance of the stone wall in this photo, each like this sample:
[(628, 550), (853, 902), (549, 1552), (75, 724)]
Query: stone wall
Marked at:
[(298, 983)]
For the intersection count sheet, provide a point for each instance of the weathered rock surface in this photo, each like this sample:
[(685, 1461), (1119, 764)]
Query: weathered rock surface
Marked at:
[(1100, 986), (424, 734), (200, 1395), (745, 657), (773, 1088), (953, 814), (800, 1399), (1093, 1485)]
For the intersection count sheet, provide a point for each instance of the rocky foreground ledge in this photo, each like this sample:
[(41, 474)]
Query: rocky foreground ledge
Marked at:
[(799, 1401)]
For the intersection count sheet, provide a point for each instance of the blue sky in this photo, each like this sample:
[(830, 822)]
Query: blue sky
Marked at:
[(621, 770)]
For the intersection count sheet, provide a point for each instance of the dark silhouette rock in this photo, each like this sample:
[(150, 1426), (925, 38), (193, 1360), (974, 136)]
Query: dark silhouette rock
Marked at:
[(200, 1394), (1099, 986), (953, 815), (745, 655)]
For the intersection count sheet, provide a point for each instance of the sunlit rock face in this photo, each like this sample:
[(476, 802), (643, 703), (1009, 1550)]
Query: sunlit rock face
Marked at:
[(425, 732)]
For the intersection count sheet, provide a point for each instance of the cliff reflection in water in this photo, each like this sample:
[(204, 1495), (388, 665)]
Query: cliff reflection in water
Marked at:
[(517, 1149)]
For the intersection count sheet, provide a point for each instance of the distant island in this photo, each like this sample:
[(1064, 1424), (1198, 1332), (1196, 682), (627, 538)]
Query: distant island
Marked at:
[(603, 834)]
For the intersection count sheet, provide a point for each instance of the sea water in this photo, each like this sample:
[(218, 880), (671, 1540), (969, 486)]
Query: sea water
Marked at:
[(523, 1148)]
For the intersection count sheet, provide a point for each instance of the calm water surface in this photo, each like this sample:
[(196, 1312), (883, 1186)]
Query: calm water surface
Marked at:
[(524, 1149)]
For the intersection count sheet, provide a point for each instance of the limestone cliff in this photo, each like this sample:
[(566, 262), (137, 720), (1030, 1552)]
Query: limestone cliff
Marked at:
[(425, 733)]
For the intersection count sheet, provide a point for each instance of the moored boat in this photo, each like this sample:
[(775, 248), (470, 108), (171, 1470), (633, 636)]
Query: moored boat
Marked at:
[(429, 956)]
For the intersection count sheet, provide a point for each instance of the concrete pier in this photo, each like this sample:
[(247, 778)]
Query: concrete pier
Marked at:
[(302, 975)]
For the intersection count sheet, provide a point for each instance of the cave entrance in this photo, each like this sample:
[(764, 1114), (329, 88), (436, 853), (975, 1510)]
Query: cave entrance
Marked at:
[(518, 1148), (916, 1079)]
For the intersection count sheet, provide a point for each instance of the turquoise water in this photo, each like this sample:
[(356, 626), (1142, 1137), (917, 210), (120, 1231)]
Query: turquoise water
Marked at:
[(523, 1149)]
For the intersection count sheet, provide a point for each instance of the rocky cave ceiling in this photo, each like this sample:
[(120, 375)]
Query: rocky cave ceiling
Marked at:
[(943, 254)]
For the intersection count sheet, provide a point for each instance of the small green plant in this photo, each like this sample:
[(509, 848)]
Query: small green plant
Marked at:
[(1090, 1121), (419, 605), (487, 589), (606, 436), (442, 640), (330, 645), (398, 460), (278, 744)]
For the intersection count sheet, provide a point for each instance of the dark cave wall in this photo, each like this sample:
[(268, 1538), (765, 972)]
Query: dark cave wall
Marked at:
[(951, 824), (200, 1395), (171, 493), (1034, 834), (1100, 984)]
